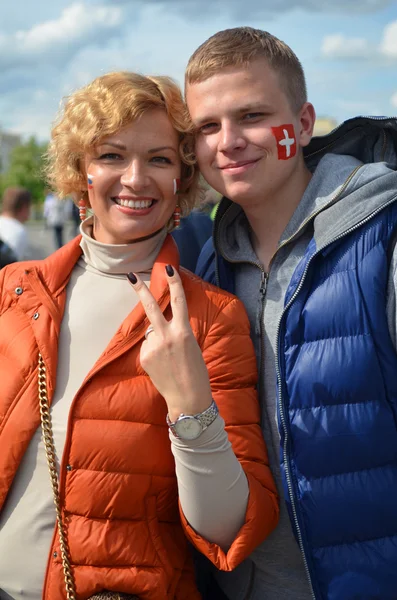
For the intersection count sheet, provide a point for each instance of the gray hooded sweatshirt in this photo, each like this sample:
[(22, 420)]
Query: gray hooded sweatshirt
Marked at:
[(344, 190)]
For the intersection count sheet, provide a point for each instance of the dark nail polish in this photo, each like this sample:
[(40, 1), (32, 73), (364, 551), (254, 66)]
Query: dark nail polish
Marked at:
[(132, 278), (170, 270)]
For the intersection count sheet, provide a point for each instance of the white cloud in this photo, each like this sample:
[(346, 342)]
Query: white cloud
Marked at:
[(340, 46), (393, 100), (55, 41), (388, 45), (75, 22)]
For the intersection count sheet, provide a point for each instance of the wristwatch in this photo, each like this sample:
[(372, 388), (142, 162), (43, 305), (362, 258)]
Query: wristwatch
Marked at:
[(190, 427)]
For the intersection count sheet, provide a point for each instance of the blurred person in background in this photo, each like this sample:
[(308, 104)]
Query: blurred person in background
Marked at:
[(55, 213), (147, 375), (15, 211)]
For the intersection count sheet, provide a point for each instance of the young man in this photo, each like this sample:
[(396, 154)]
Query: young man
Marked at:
[(305, 236), (15, 212)]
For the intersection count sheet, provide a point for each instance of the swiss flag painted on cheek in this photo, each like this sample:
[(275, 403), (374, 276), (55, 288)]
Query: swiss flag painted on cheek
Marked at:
[(286, 142)]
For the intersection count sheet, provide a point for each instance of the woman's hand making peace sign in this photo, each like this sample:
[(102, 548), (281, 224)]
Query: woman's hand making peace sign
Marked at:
[(170, 355)]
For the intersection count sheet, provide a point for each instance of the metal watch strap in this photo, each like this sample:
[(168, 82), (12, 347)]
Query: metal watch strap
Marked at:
[(206, 417)]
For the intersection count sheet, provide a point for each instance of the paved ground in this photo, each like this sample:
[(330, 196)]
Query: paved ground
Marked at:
[(41, 240)]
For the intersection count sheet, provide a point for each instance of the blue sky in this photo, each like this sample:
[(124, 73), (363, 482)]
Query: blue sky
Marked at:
[(48, 49)]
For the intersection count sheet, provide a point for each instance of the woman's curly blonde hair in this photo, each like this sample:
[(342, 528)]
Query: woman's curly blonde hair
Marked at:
[(102, 108)]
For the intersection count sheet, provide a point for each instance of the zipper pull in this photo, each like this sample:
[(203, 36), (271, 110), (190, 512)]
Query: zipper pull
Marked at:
[(260, 304), (263, 287)]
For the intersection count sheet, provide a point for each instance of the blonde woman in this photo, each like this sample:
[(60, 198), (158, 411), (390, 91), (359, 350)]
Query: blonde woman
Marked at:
[(143, 374)]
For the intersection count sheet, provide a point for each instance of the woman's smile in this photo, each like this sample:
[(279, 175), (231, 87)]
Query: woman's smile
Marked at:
[(134, 206)]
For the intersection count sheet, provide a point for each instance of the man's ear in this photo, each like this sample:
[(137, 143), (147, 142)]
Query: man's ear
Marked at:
[(307, 117)]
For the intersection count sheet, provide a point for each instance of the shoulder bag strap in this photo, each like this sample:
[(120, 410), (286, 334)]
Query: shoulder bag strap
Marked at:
[(48, 439)]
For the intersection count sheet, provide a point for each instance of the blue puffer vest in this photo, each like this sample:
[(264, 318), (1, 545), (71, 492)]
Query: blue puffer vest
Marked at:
[(337, 386)]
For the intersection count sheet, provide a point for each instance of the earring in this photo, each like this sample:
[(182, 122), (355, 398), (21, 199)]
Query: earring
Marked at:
[(82, 210), (177, 216)]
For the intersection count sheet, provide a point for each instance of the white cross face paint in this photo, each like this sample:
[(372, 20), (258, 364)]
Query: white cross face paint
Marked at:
[(286, 142)]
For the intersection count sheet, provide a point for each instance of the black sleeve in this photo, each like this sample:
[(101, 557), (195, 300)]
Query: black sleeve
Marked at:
[(7, 256)]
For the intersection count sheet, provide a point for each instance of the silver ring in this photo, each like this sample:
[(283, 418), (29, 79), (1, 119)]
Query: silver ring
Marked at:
[(148, 330)]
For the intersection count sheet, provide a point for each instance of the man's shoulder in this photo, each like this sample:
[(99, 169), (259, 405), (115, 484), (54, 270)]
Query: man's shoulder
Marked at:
[(206, 261), (208, 249), (10, 223), (4, 221)]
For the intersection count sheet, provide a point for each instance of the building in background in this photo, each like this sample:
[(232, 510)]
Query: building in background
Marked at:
[(8, 141), (324, 125)]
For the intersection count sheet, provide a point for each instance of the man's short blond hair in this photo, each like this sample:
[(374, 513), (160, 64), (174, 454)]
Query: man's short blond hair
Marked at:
[(240, 47), (104, 107)]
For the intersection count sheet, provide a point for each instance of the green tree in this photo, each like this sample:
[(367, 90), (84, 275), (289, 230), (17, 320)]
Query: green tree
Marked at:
[(26, 163)]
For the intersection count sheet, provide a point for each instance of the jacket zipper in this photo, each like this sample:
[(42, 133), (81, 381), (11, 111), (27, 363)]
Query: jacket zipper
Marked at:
[(280, 396), (262, 291), (263, 288)]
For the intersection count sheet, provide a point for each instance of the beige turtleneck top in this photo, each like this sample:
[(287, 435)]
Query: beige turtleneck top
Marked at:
[(208, 473)]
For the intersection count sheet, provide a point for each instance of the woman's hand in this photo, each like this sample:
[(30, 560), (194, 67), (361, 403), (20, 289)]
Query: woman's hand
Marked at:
[(170, 355)]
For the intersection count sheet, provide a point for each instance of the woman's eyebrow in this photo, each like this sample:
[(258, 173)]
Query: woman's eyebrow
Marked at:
[(114, 145), (160, 148), (121, 146)]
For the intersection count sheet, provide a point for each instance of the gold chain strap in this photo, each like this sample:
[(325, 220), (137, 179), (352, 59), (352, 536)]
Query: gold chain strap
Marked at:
[(48, 439)]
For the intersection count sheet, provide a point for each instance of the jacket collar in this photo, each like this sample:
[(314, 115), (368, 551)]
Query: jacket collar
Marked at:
[(56, 269)]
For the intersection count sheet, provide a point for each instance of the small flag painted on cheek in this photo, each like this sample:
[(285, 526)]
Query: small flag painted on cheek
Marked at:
[(90, 181), (177, 183), (286, 143)]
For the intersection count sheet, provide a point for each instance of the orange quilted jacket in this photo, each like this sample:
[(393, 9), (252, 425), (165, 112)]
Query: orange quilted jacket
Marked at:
[(117, 479)]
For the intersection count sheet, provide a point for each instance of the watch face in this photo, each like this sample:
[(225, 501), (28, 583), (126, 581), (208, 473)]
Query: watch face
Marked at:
[(188, 428)]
